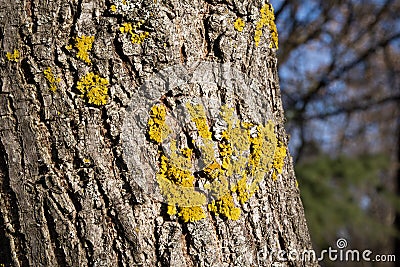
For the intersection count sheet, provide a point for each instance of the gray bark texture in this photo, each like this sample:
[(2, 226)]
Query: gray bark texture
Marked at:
[(78, 180)]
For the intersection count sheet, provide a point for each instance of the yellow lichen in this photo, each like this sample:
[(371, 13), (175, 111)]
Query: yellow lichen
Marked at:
[(225, 207), (14, 56), (256, 149), (83, 44), (175, 176), (93, 88), (225, 152), (177, 194), (171, 210), (178, 169), (245, 153), (136, 38), (279, 157), (213, 170), (176, 182), (267, 18), (191, 214), (234, 144), (239, 24), (51, 79), (242, 190), (262, 153), (157, 128), (198, 116)]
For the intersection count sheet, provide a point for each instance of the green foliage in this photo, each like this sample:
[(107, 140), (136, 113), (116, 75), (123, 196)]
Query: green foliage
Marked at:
[(332, 190)]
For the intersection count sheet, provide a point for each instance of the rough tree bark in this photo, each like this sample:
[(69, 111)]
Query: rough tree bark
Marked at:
[(70, 190)]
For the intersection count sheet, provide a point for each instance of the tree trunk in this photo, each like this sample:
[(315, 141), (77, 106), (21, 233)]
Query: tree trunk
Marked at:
[(144, 133)]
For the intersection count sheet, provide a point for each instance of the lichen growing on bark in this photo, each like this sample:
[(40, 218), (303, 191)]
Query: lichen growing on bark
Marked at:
[(133, 10), (83, 45), (176, 181), (137, 37), (93, 88), (279, 158), (52, 80), (233, 149), (13, 56), (267, 18), (157, 130), (239, 24), (225, 207)]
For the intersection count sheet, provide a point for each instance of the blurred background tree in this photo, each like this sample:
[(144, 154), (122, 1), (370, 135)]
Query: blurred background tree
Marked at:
[(339, 64)]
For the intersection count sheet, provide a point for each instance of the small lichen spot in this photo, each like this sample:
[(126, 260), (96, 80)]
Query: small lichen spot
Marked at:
[(52, 81), (235, 155), (279, 158), (267, 18), (93, 88), (156, 124), (239, 24), (13, 56), (84, 44)]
